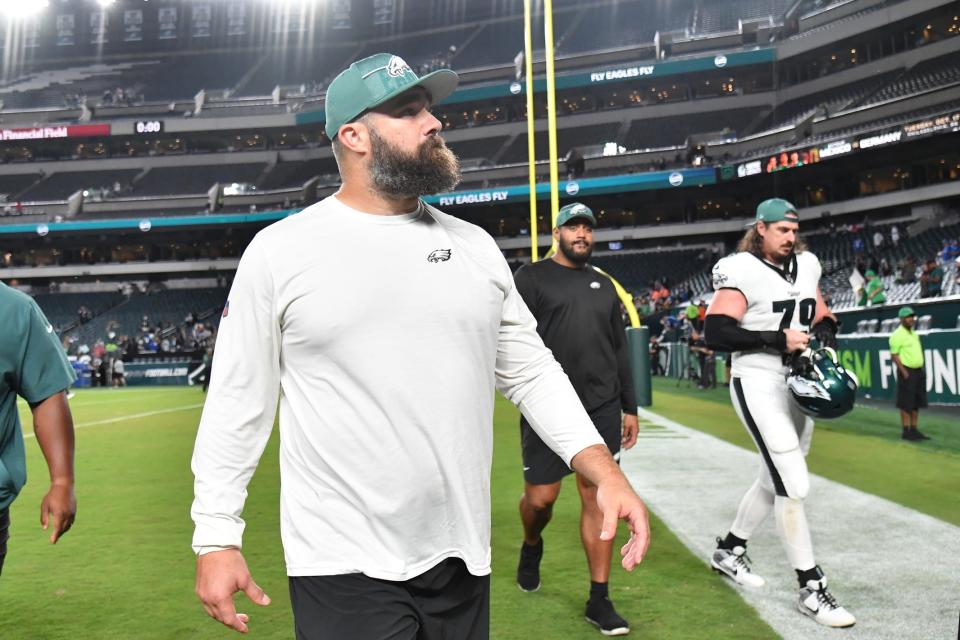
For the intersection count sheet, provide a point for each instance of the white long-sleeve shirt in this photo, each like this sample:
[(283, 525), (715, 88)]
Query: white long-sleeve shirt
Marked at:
[(384, 338)]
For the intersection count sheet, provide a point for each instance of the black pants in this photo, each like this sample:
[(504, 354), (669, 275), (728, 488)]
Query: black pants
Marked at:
[(4, 534), (445, 603), (912, 392)]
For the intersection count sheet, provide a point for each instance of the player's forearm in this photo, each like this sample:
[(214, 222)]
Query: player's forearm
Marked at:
[(725, 334), (597, 465), (53, 426)]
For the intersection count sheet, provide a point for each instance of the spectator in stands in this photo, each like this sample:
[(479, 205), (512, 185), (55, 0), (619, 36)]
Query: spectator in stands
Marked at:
[(885, 269), (950, 251), (874, 289), (931, 280), (895, 235), (858, 245), (907, 353), (644, 308), (907, 270), (877, 240), (659, 295)]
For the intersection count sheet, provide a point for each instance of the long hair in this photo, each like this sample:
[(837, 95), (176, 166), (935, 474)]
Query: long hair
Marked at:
[(752, 242)]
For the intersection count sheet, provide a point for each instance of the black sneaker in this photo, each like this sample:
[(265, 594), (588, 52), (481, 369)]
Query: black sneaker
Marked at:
[(528, 570), (910, 434), (919, 435), (601, 614)]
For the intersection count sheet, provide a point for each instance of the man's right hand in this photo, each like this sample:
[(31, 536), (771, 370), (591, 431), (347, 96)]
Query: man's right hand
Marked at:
[(220, 574), (796, 340), (904, 374)]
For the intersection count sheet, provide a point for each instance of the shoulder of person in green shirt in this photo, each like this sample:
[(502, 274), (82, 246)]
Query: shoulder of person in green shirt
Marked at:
[(33, 366)]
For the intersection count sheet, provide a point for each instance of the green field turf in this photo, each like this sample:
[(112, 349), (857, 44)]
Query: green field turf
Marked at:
[(125, 571), (862, 450)]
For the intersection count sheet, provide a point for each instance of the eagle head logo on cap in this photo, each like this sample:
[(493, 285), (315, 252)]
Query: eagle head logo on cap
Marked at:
[(397, 67)]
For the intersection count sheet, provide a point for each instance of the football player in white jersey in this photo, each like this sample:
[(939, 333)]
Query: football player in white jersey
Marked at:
[(766, 307)]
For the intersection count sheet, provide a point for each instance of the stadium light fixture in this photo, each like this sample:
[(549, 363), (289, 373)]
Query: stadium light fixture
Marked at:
[(15, 9)]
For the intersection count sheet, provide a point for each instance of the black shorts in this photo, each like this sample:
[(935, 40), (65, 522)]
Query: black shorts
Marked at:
[(542, 466), (445, 603), (912, 392), (4, 534)]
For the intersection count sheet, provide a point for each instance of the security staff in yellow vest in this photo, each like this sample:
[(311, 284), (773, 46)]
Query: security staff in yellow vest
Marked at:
[(911, 378)]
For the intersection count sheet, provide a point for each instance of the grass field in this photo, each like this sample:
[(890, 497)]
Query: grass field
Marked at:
[(126, 570)]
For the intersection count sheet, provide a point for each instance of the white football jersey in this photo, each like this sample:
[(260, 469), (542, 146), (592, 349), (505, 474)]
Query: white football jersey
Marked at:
[(776, 299)]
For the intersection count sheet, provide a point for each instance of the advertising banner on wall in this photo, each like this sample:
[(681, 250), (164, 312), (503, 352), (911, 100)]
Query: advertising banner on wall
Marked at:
[(99, 20), (236, 20), (133, 25), (167, 23), (200, 20), (868, 357), (66, 29)]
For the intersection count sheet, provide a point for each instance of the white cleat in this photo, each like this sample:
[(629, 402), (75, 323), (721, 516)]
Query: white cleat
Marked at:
[(735, 564), (818, 603)]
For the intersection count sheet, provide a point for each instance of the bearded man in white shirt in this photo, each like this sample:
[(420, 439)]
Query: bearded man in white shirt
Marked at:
[(387, 325)]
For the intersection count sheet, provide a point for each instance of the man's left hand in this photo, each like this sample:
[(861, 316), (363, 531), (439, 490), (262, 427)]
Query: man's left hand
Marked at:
[(60, 506), (617, 500), (631, 427)]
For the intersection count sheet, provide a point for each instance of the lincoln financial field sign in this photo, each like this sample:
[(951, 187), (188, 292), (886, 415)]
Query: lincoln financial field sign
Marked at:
[(869, 358)]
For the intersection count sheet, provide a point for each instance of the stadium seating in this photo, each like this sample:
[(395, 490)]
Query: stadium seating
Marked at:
[(637, 271), (930, 74), (830, 101), (59, 186), (294, 174), (715, 17), (168, 306), (478, 149), (61, 308), (195, 179), (12, 185), (654, 133), (566, 139), (295, 66), (629, 24)]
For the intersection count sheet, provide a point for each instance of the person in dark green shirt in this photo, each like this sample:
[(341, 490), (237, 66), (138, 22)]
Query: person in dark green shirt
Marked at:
[(34, 367)]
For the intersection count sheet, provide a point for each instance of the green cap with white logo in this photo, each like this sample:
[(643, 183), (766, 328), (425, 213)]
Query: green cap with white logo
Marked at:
[(372, 81), (905, 312), (573, 211), (775, 210)]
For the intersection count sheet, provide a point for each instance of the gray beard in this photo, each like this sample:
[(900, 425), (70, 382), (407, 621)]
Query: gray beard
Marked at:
[(432, 169)]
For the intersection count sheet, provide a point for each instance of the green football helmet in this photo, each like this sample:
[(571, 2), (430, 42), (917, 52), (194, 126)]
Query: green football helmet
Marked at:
[(820, 386)]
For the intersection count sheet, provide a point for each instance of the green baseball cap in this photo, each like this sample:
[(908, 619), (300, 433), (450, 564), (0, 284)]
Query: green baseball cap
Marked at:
[(870, 273), (905, 312), (573, 211), (372, 81), (775, 210)]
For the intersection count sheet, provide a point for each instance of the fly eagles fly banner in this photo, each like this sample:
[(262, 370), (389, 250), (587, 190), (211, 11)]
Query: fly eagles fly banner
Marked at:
[(869, 358)]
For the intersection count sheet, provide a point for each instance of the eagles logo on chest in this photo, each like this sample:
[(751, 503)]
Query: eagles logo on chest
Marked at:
[(439, 255)]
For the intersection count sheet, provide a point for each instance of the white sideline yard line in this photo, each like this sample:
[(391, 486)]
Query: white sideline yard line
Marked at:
[(893, 568), (132, 416)]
